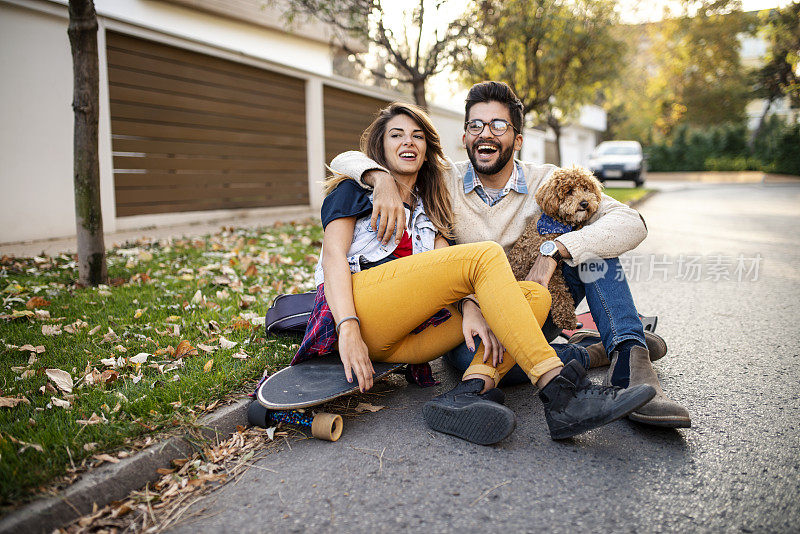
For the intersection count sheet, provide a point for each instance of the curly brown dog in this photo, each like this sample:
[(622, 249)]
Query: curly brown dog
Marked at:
[(569, 197)]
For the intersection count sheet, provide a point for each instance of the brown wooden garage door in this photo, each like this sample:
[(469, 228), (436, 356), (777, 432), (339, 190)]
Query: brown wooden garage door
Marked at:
[(346, 116), (192, 132)]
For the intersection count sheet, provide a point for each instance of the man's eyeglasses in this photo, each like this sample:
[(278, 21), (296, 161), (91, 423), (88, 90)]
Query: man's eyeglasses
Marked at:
[(497, 126)]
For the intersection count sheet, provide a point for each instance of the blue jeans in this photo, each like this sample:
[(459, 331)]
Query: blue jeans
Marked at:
[(611, 304)]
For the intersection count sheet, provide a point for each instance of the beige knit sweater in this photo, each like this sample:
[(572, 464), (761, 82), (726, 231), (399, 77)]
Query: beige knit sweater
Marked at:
[(614, 229)]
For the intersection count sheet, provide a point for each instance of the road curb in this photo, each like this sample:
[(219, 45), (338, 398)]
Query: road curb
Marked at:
[(112, 482), (641, 199)]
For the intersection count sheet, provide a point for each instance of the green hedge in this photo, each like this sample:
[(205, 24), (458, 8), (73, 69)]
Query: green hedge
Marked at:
[(724, 148)]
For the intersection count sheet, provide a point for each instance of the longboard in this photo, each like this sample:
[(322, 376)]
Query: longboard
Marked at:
[(586, 322), (283, 396)]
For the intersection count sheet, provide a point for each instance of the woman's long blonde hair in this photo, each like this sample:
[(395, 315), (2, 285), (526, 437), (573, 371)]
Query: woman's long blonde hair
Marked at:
[(430, 178)]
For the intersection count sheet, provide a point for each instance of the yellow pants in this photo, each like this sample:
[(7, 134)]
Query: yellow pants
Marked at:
[(394, 298)]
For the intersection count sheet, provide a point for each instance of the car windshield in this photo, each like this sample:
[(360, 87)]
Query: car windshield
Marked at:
[(617, 150)]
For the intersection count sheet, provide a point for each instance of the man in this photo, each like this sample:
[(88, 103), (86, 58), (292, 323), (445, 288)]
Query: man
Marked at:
[(493, 199)]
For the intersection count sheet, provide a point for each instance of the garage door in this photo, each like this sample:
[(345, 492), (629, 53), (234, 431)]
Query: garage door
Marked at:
[(346, 116), (193, 132)]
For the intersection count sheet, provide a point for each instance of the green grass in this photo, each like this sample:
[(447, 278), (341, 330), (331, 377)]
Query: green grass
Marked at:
[(626, 194), (163, 392)]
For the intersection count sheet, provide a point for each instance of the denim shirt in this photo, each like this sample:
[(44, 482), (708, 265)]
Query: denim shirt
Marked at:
[(366, 248)]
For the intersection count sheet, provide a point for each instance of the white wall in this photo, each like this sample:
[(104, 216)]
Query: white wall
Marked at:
[(36, 136), (451, 132), (248, 39), (533, 146)]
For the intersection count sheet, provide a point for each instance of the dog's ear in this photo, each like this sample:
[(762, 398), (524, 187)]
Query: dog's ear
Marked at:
[(596, 186), (547, 194)]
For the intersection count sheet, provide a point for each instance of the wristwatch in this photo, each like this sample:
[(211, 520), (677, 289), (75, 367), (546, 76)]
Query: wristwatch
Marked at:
[(550, 249)]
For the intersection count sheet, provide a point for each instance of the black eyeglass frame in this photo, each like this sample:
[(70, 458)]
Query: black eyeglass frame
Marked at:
[(489, 124)]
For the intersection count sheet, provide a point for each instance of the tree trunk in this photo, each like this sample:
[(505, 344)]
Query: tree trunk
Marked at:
[(555, 125), (751, 142), (82, 33), (419, 93)]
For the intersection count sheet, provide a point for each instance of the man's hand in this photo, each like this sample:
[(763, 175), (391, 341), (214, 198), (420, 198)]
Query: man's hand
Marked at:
[(542, 270), (473, 323), (387, 206), (544, 267)]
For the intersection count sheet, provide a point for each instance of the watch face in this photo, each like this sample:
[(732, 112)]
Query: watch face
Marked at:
[(548, 248)]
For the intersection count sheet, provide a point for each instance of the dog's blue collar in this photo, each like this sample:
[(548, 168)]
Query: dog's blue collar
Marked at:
[(548, 225)]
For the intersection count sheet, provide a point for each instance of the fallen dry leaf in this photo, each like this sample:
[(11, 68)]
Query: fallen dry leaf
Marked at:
[(37, 302), (62, 379), (89, 447), (61, 403), (93, 420), (139, 358), (206, 348), (38, 349), (138, 313), (42, 315), (106, 458), (94, 330), (51, 329), (184, 348), (207, 367), (10, 402), (198, 297), (367, 407), (225, 344), (251, 270), (241, 355), (108, 376)]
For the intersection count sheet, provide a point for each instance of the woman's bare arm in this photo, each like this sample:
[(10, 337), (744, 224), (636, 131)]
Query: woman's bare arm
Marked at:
[(339, 294)]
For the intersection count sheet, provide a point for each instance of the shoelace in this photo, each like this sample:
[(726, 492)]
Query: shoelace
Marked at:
[(596, 389)]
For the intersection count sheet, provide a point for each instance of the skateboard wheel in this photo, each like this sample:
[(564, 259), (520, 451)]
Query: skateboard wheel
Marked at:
[(327, 426), (257, 415)]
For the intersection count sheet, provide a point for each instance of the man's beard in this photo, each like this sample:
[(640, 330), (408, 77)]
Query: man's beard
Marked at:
[(487, 169)]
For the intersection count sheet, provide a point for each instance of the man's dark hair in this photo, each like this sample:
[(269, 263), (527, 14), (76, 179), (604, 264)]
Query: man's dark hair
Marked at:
[(496, 92)]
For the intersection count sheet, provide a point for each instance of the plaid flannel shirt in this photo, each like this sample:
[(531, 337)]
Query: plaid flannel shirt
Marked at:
[(516, 183)]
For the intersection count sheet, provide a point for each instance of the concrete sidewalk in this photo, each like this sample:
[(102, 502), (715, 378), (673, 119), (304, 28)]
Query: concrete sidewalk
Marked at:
[(69, 244)]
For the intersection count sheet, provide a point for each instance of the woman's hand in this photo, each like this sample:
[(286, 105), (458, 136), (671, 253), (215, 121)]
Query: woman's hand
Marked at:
[(355, 356), (473, 323)]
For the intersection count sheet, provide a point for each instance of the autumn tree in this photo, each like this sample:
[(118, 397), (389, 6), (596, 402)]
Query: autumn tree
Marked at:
[(779, 77), (557, 55), (414, 48), (82, 33), (684, 69)]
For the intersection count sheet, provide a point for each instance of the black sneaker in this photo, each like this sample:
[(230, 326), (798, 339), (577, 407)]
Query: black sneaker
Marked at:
[(572, 404), (465, 413)]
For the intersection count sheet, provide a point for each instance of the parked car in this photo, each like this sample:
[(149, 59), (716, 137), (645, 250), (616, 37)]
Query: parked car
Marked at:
[(618, 160)]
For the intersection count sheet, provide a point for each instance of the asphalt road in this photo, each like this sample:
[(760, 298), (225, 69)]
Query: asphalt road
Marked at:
[(733, 361)]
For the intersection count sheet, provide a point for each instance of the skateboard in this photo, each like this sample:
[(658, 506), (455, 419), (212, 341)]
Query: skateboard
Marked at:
[(586, 322), (283, 396)]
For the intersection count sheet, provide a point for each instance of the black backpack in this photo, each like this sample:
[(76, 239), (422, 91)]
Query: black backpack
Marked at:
[(289, 314)]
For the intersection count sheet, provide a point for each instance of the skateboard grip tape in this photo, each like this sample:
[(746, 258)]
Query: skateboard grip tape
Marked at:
[(327, 426)]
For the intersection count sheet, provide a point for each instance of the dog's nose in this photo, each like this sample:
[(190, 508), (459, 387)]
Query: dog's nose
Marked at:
[(584, 204)]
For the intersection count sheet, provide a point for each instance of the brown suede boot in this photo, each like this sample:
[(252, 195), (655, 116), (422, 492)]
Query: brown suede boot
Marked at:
[(656, 347), (661, 411)]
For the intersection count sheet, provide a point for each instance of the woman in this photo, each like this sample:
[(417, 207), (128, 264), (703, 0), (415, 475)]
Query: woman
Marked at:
[(384, 302)]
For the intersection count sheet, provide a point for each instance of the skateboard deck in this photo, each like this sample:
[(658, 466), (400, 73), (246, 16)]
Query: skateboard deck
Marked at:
[(282, 396), (586, 322), (312, 382)]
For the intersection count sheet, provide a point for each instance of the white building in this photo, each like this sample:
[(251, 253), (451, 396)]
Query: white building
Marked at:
[(207, 109)]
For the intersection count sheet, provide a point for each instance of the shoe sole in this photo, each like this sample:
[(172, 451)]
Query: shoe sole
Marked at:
[(662, 421), (656, 346), (632, 402), (483, 423)]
